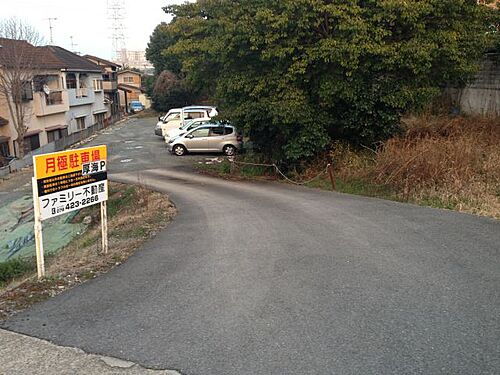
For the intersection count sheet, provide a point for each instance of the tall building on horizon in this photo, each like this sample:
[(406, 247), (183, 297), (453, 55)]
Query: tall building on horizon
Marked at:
[(133, 59)]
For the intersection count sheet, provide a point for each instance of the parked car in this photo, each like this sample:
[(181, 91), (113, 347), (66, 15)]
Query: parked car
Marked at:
[(136, 106), (207, 138), (173, 110), (174, 120), (170, 115), (190, 125)]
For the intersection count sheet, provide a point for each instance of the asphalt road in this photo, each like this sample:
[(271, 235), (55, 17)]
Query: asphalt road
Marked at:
[(266, 278)]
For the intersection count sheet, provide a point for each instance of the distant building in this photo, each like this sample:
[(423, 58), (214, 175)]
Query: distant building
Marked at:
[(130, 87), (134, 60), (110, 84)]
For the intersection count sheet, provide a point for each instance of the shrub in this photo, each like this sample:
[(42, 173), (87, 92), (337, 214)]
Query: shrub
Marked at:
[(14, 268)]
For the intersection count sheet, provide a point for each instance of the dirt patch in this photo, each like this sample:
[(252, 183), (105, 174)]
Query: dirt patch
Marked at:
[(135, 214)]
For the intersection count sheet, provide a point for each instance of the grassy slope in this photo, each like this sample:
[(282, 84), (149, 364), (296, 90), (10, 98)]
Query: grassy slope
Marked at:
[(134, 215)]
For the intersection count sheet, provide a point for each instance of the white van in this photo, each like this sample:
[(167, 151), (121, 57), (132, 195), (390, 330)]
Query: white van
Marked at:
[(170, 115), (173, 120)]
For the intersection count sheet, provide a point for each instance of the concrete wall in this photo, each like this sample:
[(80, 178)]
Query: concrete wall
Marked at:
[(482, 96)]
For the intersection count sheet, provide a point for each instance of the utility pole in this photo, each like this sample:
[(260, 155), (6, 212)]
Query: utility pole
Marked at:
[(51, 28)]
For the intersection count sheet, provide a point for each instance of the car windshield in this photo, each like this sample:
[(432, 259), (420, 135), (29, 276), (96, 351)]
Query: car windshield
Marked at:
[(187, 124), (172, 116)]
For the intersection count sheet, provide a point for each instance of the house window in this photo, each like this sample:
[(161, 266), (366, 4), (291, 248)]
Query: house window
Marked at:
[(4, 149), (27, 91), (54, 135), (97, 84), (80, 123), (31, 143), (100, 118), (128, 79), (70, 81)]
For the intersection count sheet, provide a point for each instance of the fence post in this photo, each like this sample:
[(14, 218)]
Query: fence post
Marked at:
[(231, 166), (330, 173)]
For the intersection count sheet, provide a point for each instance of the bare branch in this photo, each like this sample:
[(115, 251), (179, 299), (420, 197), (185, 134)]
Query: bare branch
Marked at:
[(20, 59)]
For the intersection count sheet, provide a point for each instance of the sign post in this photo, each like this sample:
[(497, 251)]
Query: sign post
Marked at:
[(67, 181), (104, 227), (40, 262)]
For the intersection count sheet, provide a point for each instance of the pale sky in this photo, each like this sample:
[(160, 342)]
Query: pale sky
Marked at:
[(87, 21)]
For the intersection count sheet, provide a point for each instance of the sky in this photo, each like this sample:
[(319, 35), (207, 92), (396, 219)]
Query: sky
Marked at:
[(87, 21)]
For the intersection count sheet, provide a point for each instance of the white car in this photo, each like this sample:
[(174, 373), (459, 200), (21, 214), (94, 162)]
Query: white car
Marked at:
[(170, 115), (188, 126), (174, 121)]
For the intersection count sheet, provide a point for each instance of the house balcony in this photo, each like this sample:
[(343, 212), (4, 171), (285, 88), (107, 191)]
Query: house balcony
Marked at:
[(110, 85), (55, 102), (80, 96)]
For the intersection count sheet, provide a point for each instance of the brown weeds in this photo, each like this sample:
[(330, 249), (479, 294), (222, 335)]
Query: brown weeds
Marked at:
[(441, 161), (453, 161)]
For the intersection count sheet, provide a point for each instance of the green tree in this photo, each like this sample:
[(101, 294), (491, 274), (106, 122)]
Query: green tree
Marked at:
[(161, 39), (170, 92), (296, 73)]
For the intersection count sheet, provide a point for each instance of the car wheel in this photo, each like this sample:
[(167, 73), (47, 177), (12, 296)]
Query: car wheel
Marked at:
[(179, 150), (229, 150)]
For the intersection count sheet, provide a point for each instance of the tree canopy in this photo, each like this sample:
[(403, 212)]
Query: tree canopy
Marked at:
[(294, 74)]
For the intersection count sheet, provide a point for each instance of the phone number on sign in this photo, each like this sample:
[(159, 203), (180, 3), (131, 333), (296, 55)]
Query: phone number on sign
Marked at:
[(76, 204)]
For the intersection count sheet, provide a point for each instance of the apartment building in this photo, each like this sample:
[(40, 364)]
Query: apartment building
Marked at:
[(134, 59), (64, 95), (110, 84)]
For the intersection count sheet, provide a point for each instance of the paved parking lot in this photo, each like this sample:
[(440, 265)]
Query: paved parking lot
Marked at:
[(133, 146)]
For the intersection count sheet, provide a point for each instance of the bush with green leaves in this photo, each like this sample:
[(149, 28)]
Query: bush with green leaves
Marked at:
[(295, 74)]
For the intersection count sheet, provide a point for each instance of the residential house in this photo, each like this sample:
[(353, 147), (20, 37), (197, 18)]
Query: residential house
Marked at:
[(130, 87), (110, 85), (44, 97), (65, 95), (83, 81)]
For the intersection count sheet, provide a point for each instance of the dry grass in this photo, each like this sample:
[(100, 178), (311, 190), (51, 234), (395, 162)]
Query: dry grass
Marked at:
[(453, 161), (139, 214), (134, 215), (439, 161)]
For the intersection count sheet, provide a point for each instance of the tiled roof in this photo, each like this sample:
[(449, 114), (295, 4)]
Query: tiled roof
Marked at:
[(14, 43), (129, 88), (15, 52), (102, 62), (63, 59), (129, 71)]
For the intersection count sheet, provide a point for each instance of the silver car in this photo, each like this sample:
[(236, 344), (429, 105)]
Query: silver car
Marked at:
[(207, 138)]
